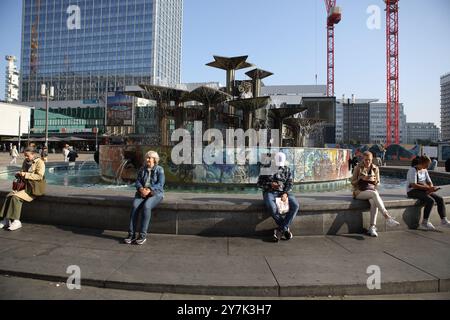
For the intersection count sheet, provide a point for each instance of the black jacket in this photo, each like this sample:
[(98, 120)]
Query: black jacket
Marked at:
[(73, 155), (283, 177)]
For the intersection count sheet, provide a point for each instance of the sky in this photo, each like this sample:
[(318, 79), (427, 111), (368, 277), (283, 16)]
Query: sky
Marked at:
[(288, 38)]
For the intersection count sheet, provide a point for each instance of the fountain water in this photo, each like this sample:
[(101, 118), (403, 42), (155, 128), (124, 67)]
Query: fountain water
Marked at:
[(119, 172), (82, 165)]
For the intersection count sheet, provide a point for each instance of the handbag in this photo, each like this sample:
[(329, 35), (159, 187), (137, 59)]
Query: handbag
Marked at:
[(367, 185), (19, 184), (37, 187)]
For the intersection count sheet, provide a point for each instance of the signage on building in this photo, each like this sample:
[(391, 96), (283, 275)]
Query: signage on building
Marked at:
[(90, 101), (120, 110), (76, 130)]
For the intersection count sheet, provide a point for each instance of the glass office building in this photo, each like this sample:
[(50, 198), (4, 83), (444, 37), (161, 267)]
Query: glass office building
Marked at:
[(86, 48)]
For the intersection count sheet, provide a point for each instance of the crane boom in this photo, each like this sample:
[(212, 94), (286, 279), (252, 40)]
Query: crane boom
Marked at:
[(333, 17), (392, 83)]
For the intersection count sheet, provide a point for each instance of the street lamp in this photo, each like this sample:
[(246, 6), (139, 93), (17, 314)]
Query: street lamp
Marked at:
[(47, 93), (96, 135), (20, 129)]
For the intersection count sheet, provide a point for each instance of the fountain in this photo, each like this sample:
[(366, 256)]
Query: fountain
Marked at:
[(231, 107)]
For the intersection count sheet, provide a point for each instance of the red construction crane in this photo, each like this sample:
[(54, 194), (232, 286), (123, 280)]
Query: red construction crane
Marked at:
[(333, 17), (392, 100)]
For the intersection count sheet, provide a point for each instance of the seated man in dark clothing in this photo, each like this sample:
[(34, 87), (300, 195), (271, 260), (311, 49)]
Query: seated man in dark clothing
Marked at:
[(274, 186)]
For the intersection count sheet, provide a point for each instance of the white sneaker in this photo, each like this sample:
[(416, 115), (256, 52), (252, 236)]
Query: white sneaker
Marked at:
[(445, 223), (373, 231), (16, 224), (391, 222), (4, 223), (428, 226), (277, 235)]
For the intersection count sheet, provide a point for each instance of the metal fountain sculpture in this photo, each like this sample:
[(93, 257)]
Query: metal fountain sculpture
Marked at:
[(239, 105)]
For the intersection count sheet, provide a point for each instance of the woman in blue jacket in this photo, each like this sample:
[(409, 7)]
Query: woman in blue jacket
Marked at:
[(149, 193)]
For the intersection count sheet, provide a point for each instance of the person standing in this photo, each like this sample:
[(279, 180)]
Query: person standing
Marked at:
[(365, 179), (419, 186), (14, 154), (72, 156), (66, 152), (44, 154), (149, 193), (275, 186)]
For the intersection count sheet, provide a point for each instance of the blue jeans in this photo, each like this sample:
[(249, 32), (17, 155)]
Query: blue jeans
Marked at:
[(282, 222), (146, 206)]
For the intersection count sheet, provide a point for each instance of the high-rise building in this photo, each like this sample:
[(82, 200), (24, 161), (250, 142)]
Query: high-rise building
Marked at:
[(356, 121), (445, 107), (11, 80), (422, 131), (339, 123), (86, 48), (364, 121), (378, 123)]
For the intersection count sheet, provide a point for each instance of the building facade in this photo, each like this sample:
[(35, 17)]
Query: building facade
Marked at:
[(422, 131), (445, 107), (356, 121), (378, 123), (15, 120), (364, 121), (339, 123), (87, 48), (11, 80), (80, 117)]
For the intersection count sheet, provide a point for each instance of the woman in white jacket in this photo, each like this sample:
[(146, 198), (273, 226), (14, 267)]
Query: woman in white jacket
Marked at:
[(14, 155)]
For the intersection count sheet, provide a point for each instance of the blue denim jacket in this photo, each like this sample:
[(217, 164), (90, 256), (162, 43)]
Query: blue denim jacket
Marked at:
[(157, 180)]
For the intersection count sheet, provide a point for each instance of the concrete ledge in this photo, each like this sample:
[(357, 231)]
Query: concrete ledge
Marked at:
[(216, 214)]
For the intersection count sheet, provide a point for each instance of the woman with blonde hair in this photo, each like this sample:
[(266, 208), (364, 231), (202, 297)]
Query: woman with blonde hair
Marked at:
[(366, 178), (149, 193)]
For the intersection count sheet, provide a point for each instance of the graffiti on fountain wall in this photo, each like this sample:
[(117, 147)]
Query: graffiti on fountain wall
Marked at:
[(120, 163)]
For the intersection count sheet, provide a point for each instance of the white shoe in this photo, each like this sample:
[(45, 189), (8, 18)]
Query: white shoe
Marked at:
[(16, 224), (277, 235), (373, 231), (445, 223), (4, 223), (391, 222), (428, 226)]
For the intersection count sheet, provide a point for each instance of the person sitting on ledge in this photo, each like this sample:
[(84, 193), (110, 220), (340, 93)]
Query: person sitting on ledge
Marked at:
[(365, 180), (275, 186), (33, 169), (419, 186), (150, 192)]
